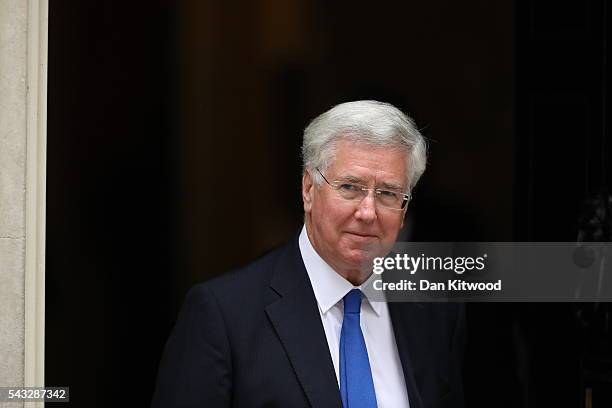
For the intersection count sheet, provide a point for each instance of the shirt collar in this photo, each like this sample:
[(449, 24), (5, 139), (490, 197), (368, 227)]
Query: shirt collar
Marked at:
[(328, 286)]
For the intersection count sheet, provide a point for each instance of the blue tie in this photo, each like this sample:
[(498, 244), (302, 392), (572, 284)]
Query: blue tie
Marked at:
[(356, 384)]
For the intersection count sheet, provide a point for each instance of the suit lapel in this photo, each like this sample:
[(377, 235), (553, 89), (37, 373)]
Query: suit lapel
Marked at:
[(401, 314), (296, 319)]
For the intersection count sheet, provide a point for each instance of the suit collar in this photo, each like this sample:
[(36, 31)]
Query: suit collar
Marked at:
[(296, 319)]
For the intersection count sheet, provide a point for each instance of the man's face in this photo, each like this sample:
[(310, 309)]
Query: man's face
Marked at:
[(341, 231)]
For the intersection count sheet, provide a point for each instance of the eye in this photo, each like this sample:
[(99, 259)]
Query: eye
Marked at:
[(348, 187), (387, 194)]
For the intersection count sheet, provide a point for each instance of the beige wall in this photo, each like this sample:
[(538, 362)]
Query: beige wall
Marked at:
[(13, 49), (22, 164)]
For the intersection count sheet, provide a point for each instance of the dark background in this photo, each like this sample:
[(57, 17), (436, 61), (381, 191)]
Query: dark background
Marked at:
[(173, 155)]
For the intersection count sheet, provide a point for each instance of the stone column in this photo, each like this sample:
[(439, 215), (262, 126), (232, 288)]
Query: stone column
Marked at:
[(23, 67)]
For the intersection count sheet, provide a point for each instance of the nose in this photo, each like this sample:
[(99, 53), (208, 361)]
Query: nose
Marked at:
[(366, 209)]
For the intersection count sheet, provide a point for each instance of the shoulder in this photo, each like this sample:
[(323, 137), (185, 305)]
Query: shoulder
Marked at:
[(246, 286), (256, 273)]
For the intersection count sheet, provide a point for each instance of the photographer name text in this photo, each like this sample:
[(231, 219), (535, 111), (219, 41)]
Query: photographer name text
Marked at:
[(457, 285)]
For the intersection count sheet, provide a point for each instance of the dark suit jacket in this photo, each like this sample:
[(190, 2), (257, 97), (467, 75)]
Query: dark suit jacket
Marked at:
[(254, 338)]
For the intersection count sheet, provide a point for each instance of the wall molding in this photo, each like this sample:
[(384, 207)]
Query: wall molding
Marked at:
[(36, 163)]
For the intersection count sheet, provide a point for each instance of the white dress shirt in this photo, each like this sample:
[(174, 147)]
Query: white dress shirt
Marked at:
[(329, 289)]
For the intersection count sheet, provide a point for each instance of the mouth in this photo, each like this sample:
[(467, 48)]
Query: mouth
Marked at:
[(362, 236)]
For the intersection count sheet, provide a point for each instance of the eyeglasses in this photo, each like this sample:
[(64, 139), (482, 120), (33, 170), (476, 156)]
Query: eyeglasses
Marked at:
[(393, 200)]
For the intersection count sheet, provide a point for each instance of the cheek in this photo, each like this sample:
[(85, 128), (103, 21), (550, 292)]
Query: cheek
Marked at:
[(392, 228), (332, 219), (337, 216)]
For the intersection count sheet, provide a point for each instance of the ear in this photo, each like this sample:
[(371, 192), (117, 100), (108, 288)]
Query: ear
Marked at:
[(307, 191), (404, 213)]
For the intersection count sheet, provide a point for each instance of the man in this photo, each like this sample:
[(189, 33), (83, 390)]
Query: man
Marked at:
[(294, 329)]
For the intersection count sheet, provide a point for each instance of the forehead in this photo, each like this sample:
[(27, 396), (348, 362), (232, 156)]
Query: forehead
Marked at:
[(366, 161)]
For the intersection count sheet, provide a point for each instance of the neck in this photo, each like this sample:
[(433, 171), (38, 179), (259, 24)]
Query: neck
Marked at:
[(356, 278)]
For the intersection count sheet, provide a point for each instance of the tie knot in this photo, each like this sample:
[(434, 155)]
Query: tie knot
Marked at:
[(352, 302)]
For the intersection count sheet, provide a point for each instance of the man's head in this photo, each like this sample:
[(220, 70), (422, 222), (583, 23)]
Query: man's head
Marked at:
[(353, 147)]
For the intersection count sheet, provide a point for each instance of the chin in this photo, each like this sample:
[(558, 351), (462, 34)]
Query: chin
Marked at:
[(359, 258), (366, 249)]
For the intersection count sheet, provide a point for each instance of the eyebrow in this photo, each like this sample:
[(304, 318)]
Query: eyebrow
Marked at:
[(358, 180), (392, 186), (352, 179)]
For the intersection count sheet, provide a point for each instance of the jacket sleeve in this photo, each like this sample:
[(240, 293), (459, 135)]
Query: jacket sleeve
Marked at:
[(195, 369)]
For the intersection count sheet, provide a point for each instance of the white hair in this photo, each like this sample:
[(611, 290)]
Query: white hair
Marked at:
[(370, 122)]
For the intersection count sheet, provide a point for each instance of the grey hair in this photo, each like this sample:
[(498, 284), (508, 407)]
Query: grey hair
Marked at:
[(369, 122)]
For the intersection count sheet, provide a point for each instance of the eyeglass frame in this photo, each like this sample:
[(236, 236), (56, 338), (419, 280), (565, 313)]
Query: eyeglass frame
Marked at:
[(376, 191)]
